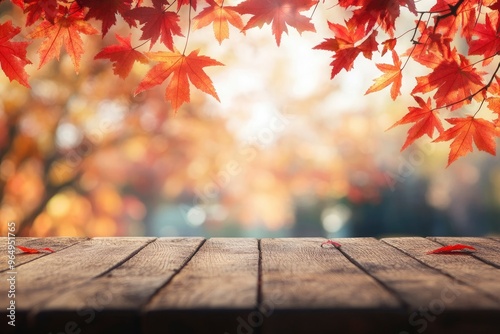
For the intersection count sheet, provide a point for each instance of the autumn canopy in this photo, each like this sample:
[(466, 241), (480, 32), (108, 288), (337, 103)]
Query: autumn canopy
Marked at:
[(457, 42)]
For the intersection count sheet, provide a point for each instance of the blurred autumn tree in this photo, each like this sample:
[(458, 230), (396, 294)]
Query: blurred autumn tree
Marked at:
[(80, 155)]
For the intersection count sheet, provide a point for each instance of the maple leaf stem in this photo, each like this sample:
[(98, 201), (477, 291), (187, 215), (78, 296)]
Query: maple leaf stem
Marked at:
[(416, 29), (314, 10), (138, 46), (189, 29)]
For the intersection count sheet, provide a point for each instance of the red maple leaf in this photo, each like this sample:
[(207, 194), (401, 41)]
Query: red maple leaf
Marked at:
[(389, 45), (454, 15), (122, 55), (425, 118), (347, 45), (220, 16), (487, 41), (157, 23), (66, 30), (180, 3), (455, 81), (382, 12), (34, 250), (494, 96), (453, 249), (280, 12), (464, 131), (44, 9), (392, 75), (330, 244), (106, 11), (432, 48), (183, 69), (13, 54), (18, 3)]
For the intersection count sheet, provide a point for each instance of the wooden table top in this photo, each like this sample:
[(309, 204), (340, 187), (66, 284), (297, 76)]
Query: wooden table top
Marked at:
[(245, 285)]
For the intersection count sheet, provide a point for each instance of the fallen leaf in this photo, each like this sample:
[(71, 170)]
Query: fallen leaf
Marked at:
[(453, 249), (330, 244), (35, 250)]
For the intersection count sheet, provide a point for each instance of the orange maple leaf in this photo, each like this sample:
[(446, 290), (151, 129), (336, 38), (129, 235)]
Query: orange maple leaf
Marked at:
[(280, 12), (464, 131), (183, 69), (349, 42), (220, 16), (392, 75), (67, 27), (425, 118), (455, 80), (13, 54), (487, 43), (122, 55)]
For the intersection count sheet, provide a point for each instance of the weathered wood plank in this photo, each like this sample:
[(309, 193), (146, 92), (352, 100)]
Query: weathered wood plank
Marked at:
[(301, 280), (488, 250), (55, 243), (464, 268), (218, 285), (422, 288), (111, 303), (48, 276)]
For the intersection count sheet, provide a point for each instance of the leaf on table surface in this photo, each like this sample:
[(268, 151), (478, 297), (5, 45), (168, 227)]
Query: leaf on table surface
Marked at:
[(330, 244), (453, 249), (183, 70), (35, 250)]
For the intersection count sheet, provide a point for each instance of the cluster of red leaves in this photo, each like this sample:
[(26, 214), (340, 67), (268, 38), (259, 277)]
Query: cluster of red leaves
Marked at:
[(453, 79)]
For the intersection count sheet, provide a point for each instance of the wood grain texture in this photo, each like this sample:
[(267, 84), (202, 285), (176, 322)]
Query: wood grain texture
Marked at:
[(238, 285), (55, 243), (299, 276), (50, 275), (222, 276), (111, 303), (451, 305), (465, 268)]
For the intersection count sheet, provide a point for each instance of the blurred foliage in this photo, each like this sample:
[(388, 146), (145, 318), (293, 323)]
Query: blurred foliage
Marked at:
[(80, 155)]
